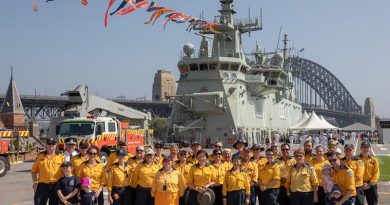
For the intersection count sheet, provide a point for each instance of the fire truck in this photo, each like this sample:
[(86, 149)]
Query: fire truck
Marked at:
[(100, 122), (104, 132), (13, 144)]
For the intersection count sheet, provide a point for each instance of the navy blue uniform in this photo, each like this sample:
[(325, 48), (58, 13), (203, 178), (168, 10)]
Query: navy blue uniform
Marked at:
[(66, 185)]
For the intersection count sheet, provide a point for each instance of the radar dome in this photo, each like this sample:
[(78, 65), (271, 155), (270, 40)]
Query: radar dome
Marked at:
[(277, 60), (188, 49)]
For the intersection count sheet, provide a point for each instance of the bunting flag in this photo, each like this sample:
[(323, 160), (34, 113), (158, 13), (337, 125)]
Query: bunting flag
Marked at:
[(121, 6), (84, 2), (110, 3), (174, 16), (211, 27), (154, 7), (155, 15), (132, 7), (35, 6)]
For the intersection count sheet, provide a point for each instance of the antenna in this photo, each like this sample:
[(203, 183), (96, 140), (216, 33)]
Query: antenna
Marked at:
[(249, 15), (280, 31), (12, 72)]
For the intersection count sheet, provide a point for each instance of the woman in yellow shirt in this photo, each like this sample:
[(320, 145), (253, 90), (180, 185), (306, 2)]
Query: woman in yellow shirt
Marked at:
[(118, 179), (94, 170), (220, 169), (168, 185), (200, 178), (269, 180), (318, 163), (142, 179), (184, 168), (236, 186)]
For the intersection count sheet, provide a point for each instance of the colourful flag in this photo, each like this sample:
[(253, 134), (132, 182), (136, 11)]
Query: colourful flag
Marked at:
[(154, 7), (35, 6), (110, 3), (132, 7), (84, 2)]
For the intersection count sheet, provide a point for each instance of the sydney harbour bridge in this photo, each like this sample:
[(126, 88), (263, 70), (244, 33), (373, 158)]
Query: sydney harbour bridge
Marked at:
[(317, 89)]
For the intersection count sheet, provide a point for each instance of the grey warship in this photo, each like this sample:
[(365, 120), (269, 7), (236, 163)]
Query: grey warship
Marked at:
[(224, 94)]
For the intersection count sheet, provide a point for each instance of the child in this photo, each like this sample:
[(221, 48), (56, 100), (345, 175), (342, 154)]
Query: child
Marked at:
[(68, 186), (335, 196), (327, 182), (87, 196)]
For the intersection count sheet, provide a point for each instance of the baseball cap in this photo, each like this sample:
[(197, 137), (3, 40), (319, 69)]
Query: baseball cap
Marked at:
[(217, 151), (183, 150), (85, 182), (195, 143), (50, 141), (84, 144), (349, 146), (365, 144), (150, 151), (121, 143), (219, 144), (66, 164), (256, 147), (158, 144), (71, 141)]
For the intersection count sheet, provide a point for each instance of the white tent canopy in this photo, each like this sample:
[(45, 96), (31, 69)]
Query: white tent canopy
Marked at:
[(301, 120), (315, 123), (327, 123)]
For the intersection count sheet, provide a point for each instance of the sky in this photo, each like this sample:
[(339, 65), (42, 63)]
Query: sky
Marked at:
[(66, 44)]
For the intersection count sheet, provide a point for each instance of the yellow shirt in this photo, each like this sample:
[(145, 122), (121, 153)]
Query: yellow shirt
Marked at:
[(309, 159), (357, 166), (97, 174), (220, 171), (143, 175), (174, 182), (113, 158), (133, 162), (192, 159), (159, 159), (228, 165), (318, 167), (371, 169), (271, 171), (184, 169), (77, 161), (285, 167), (252, 169), (236, 180), (200, 176), (118, 177), (303, 179), (48, 168), (345, 180)]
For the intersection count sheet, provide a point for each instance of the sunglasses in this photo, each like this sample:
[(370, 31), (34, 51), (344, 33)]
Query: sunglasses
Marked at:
[(158, 147), (139, 150), (270, 155), (332, 145), (332, 160), (183, 154), (51, 144), (92, 153)]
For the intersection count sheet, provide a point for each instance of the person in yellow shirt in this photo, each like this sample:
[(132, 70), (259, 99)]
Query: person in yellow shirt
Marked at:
[(260, 160), (269, 180), (173, 152), (200, 178), (113, 158), (357, 167), (252, 169), (318, 163), (81, 157), (236, 185), (371, 174), (220, 170), (158, 158), (217, 146), (184, 168), (168, 185), (302, 181), (309, 156), (133, 162), (227, 157), (118, 180), (94, 170), (285, 162), (342, 177), (195, 147), (142, 179), (45, 172)]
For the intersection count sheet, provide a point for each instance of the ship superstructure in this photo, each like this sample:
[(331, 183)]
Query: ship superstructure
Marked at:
[(224, 95)]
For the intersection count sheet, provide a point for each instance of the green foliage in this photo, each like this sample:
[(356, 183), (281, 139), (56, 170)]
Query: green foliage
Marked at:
[(159, 125)]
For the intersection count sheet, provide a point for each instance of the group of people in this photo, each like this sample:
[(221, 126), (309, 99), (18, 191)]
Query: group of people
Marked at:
[(189, 176)]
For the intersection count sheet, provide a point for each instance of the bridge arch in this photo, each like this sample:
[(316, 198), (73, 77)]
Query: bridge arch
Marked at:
[(327, 86)]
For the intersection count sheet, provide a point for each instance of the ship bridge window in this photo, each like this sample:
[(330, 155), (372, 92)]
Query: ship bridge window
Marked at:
[(213, 66), (203, 66), (194, 67), (224, 66), (234, 67)]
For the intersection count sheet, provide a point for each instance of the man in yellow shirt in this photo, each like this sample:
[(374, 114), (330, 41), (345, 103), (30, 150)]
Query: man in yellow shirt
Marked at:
[(342, 177), (45, 172), (252, 169), (269, 180), (285, 162), (357, 167), (113, 158), (371, 174), (81, 157)]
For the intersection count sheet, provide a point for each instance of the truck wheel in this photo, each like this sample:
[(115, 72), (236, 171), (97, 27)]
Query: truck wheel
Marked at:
[(103, 157), (3, 166)]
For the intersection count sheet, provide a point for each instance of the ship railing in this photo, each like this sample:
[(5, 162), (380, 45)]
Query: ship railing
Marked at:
[(183, 56)]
